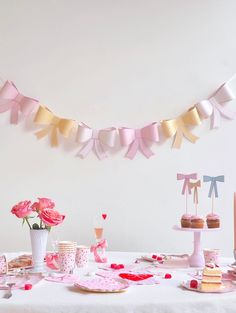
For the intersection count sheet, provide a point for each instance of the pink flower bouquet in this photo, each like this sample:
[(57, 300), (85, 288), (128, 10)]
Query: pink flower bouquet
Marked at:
[(43, 210)]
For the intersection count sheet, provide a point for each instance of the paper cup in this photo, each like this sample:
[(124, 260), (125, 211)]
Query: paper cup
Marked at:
[(3, 264), (82, 256), (66, 262), (212, 256)]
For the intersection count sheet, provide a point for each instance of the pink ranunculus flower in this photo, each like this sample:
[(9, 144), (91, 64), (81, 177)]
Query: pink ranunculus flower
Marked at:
[(43, 203), (51, 217), (22, 209)]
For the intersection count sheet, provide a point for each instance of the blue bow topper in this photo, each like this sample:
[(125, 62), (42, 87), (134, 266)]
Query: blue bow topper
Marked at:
[(213, 186)]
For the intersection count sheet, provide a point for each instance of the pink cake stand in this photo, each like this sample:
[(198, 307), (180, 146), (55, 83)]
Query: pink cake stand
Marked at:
[(197, 258)]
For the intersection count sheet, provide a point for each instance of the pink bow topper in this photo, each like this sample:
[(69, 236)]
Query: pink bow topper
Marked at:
[(137, 139), (214, 106), (97, 140), (100, 245), (11, 99), (52, 261), (186, 185)]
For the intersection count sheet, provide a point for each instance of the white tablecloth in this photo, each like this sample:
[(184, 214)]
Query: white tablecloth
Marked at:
[(166, 297)]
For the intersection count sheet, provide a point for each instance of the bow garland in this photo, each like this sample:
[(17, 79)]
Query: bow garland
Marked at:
[(100, 141)]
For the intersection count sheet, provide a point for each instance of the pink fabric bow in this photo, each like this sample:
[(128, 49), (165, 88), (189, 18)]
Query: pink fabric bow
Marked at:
[(186, 185), (11, 99), (137, 139), (214, 106), (97, 140), (100, 245), (52, 261)]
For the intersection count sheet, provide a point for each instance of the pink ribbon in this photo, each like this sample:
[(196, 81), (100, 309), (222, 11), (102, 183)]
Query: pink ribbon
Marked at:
[(137, 139), (11, 99), (52, 261), (97, 140), (186, 177), (100, 245), (214, 106)]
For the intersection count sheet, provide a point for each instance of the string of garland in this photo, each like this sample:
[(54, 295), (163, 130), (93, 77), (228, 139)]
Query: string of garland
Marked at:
[(100, 141)]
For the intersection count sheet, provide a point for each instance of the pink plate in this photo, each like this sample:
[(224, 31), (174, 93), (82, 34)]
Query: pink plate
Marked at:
[(99, 284), (226, 286)]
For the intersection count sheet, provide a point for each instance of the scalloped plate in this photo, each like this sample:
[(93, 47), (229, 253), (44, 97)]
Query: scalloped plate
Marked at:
[(103, 285)]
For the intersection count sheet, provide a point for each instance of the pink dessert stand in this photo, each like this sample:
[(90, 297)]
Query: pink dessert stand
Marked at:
[(196, 259)]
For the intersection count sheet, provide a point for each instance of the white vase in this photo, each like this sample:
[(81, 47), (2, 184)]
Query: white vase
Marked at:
[(38, 239)]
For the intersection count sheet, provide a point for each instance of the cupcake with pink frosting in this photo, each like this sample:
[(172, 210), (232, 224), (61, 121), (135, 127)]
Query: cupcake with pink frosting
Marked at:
[(186, 220), (197, 221), (213, 220)]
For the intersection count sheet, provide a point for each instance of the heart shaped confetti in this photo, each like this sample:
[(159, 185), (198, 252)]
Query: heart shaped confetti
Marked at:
[(104, 216), (135, 277)]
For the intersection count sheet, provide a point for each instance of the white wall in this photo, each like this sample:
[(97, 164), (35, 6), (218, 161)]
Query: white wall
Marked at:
[(117, 63)]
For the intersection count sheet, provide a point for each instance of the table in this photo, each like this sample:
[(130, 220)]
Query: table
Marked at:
[(167, 297)]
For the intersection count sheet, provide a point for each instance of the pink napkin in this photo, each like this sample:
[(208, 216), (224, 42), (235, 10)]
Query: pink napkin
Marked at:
[(62, 278), (20, 281)]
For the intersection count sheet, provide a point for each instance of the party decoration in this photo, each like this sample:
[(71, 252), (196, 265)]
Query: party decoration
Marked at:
[(12, 100), (178, 128), (186, 186), (100, 141), (195, 186), (53, 125), (97, 140), (213, 191), (214, 106), (104, 216), (137, 139), (100, 245)]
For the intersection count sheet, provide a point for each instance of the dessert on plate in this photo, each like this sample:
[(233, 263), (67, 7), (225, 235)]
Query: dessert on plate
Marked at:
[(197, 221), (213, 220), (186, 220), (211, 278)]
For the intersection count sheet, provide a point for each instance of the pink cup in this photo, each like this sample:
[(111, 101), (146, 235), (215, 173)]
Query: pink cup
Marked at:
[(212, 256), (3, 264), (66, 262), (82, 256)]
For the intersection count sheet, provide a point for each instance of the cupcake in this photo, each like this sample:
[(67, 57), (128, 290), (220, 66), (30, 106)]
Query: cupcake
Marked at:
[(213, 220), (197, 221), (186, 220)]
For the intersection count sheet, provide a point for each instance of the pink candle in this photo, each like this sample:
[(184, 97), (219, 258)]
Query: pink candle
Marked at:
[(235, 221)]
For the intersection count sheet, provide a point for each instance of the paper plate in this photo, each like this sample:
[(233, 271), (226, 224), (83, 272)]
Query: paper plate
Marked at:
[(226, 286), (103, 285)]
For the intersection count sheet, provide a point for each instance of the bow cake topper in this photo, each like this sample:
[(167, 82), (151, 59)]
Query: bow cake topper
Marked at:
[(97, 140), (214, 106), (213, 186), (137, 139), (178, 127), (195, 186), (12, 100), (213, 191), (186, 186), (53, 125)]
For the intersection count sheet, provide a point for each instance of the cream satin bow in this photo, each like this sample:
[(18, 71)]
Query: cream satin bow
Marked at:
[(97, 140)]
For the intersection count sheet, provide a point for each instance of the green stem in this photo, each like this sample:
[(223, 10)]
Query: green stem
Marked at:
[(27, 221), (41, 224)]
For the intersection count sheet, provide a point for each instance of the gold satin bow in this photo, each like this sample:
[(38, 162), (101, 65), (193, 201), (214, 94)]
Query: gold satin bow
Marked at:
[(178, 127), (195, 185), (54, 124)]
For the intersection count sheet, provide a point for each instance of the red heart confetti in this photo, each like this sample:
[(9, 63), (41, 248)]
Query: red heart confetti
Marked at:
[(194, 283), (159, 258), (135, 277), (28, 286), (168, 276), (104, 216), (115, 266), (154, 256)]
